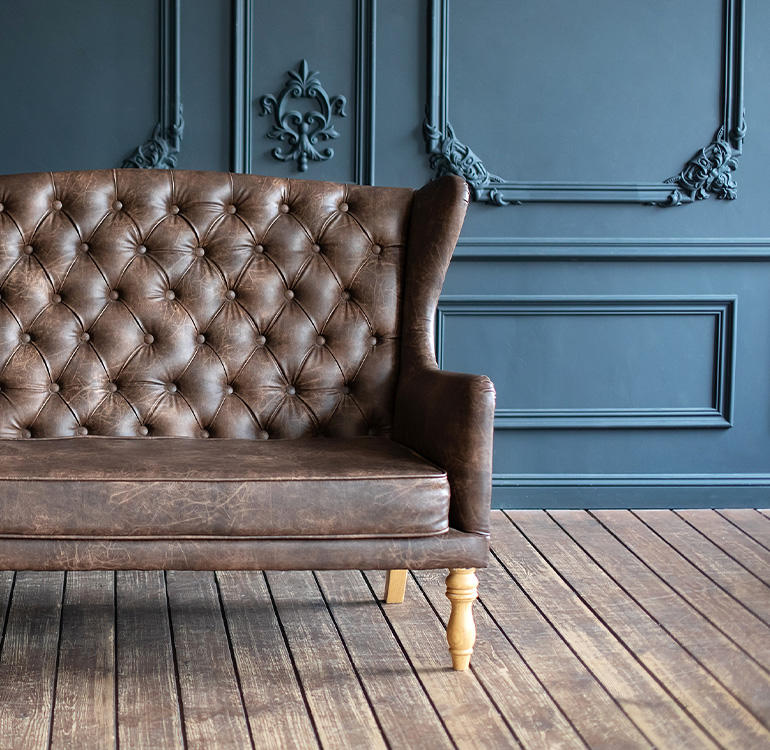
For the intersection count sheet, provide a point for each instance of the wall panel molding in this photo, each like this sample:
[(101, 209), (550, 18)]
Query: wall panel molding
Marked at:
[(612, 248), (241, 130), (709, 173), (162, 149), (718, 414)]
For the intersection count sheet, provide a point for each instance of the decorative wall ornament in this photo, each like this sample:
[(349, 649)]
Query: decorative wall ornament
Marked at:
[(162, 149), (302, 132), (710, 173)]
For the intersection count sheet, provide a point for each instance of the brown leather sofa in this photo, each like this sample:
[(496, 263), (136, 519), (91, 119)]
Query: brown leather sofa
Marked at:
[(202, 370)]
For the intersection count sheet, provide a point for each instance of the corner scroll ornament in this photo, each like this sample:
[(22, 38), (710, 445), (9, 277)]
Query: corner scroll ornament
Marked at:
[(301, 132), (709, 172), (162, 149), (448, 155)]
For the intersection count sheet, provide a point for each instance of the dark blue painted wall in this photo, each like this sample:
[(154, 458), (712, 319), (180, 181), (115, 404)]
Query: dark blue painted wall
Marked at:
[(630, 344)]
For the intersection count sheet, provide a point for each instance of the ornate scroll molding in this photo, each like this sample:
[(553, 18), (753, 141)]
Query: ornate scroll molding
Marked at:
[(162, 149), (710, 173), (301, 132)]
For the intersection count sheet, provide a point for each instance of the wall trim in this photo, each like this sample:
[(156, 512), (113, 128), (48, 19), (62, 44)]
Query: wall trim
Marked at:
[(709, 173), (612, 248), (162, 149), (718, 415), (631, 480), (365, 81)]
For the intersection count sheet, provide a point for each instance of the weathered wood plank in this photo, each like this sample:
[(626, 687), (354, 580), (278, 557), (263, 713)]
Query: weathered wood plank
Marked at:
[(645, 624), (28, 660), (746, 588), (732, 541), (84, 705), (740, 625), (749, 522), (148, 706), (342, 715), (662, 720), (469, 715), (212, 708), (6, 585), (535, 718), (273, 698)]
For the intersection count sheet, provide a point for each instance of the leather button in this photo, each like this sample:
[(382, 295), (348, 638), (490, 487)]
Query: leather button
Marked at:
[(148, 338), (288, 294), (112, 387), (174, 209), (291, 390), (2, 208), (230, 294), (231, 209), (263, 435), (114, 294), (343, 207), (200, 338), (84, 247), (26, 338), (316, 248), (117, 205), (346, 389), (204, 433), (56, 205), (373, 341), (85, 336), (320, 340), (376, 249), (54, 387), (345, 295), (229, 390), (56, 298), (261, 340), (259, 249), (170, 294), (82, 431), (26, 433), (171, 387), (141, 250), (143, 429), (200, 251), (284, 208), (28, 249)]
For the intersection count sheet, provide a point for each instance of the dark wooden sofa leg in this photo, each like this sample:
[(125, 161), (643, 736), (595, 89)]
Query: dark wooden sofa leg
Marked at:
[(395, 586), (461, 590)]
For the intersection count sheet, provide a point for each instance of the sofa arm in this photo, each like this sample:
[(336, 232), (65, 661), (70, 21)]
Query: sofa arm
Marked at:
[(448, 418)]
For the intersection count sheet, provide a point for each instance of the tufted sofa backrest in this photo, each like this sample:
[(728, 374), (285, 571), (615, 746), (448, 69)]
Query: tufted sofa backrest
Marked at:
[(198, 304)]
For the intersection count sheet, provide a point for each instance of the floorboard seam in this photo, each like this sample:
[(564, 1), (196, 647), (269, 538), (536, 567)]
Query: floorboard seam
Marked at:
[(7, 611), (742, 530), (177, 680), (63, 591)]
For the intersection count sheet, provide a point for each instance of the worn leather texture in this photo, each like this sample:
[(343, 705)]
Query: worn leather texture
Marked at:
[(183, 487), (194, 364)]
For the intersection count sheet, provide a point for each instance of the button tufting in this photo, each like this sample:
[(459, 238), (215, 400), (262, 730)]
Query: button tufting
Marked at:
[(117, 205), (26, 338), (343, 207), (112, 387), (259, 249), (284, 208), (85, 336), (56, 205), (2, 208), (54, 387), (316, 248), (373, 341), (320, 340), (200, 251), (82, 431), (144, 429), (376, 249), (141, 249), (114, 294), (26, 433), (231, 209), (170, 294), (56, 298), (289, 294), (230, 294), (263, 435), (345, 294), (261, 340), (171, 387), (291, 390), (200, 338), (346, 389), (84, 247), (28, 249), (204, 433), (148, 338), (229, 390), (174, 209)]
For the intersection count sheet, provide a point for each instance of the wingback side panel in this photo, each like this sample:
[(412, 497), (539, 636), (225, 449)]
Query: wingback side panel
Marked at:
[(172, 303)]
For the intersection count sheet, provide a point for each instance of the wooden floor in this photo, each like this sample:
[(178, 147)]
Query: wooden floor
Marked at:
[(601, 629)]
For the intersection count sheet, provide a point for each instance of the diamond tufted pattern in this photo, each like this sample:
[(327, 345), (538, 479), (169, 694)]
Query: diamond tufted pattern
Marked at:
[(198, 304)]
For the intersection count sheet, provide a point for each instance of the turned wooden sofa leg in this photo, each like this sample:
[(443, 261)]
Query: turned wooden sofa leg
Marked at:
[(461, 590), (395, 586)]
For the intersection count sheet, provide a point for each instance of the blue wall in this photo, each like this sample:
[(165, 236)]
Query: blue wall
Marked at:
[(629, 342)]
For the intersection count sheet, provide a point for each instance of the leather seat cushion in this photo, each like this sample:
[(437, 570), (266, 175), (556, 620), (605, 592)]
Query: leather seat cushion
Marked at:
[(151, 488)]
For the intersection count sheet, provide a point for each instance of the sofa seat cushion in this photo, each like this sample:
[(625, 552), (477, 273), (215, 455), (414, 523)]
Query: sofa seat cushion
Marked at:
[(150, 488)]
